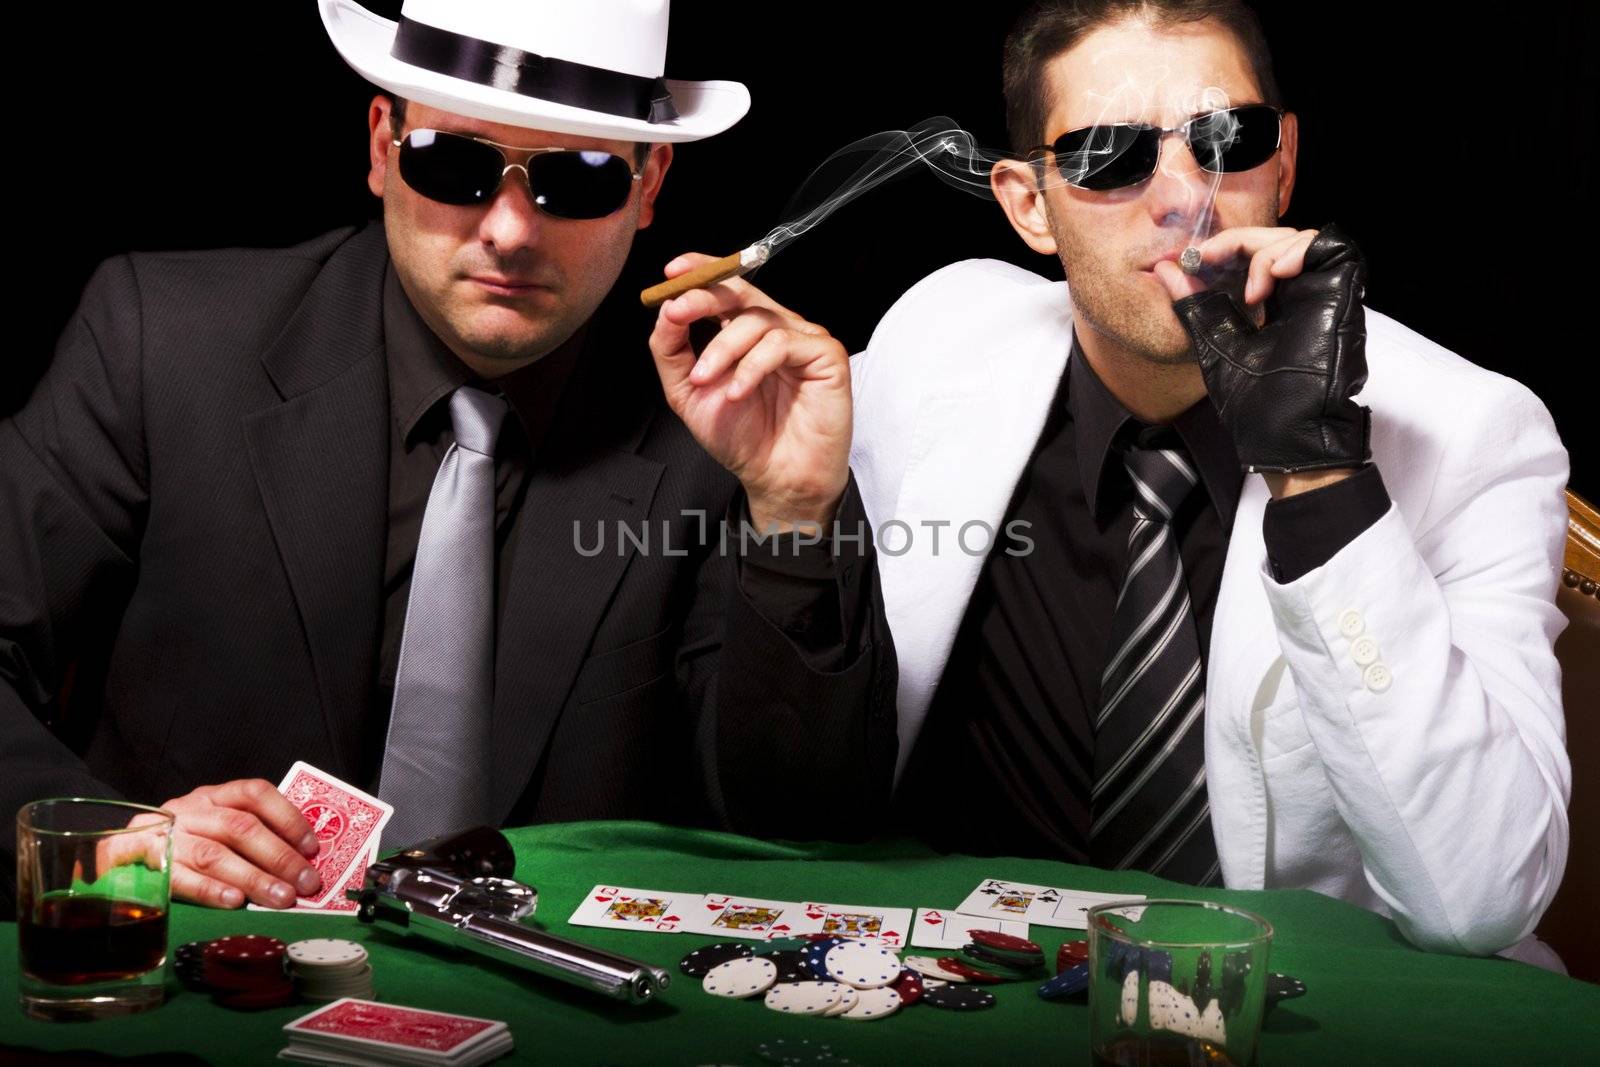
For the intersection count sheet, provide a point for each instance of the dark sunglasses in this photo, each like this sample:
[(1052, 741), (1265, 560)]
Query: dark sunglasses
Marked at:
[(1102, 158), (568, 183)]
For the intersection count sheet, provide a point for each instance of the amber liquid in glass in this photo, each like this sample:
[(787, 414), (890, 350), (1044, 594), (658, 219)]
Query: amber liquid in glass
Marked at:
[(75, 940)]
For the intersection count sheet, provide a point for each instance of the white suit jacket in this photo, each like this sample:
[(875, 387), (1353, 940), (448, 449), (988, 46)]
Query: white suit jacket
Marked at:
[(1387, 729)]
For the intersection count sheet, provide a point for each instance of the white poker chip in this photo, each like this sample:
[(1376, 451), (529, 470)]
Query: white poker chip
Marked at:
[(804, 998), (848, 999), (873, 1004), (325, 953), (863, 966), (742, 977), (929, 967)]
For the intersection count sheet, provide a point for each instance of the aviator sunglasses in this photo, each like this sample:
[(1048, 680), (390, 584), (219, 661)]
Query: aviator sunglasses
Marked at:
[(1115, 156), (567, 183)]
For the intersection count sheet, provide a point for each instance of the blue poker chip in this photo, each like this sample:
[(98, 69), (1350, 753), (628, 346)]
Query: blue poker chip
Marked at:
[(1074, 979)]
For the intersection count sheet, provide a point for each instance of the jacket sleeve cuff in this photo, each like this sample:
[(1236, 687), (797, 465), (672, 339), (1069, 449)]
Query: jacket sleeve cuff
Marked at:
[(808, 586), (1304, 532)]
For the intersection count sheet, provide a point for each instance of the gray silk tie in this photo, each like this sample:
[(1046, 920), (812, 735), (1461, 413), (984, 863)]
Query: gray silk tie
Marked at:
[(436, 761)]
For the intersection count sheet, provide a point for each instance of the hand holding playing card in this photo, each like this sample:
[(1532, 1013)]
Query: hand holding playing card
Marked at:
[(240, 840)]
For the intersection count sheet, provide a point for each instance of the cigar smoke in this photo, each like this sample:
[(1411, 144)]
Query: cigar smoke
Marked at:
[(954, 156)]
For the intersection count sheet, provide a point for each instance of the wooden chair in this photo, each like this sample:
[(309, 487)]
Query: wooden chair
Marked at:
[(1571, 926)]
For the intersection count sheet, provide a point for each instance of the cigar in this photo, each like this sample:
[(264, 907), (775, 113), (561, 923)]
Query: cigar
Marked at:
[(1190, 260), (718, 270)]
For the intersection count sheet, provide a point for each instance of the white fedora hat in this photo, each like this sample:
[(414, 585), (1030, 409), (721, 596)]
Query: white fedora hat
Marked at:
[(585, 67)]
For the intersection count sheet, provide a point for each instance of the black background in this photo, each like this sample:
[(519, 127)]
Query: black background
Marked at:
[(1458, 149)]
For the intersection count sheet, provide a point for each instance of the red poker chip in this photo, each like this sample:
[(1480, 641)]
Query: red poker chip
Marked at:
[(226, 980), (1004, 942), (244, 949), (967, 971), (1070, 954), (275, 996), (909, 986)]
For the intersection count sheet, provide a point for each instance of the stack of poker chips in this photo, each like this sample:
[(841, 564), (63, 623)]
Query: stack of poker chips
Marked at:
[(245, 971), (326, 968), (826, 976), (1072, 972)]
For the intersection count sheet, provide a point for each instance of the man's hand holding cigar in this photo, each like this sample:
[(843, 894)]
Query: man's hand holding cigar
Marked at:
[(1281, 377), (769, 398)]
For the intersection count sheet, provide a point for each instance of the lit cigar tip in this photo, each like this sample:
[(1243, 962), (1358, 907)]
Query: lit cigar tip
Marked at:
[(1189, 261)]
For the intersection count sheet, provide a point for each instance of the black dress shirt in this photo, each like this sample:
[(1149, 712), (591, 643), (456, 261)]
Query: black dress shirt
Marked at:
[(1005, 761), (791, 581)]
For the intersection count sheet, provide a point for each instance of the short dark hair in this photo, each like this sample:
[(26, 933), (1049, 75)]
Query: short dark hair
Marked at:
[(1050, 27), (397, 122)]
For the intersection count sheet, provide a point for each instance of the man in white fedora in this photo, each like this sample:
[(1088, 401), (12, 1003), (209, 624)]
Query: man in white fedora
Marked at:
[(1239, 582), (390, 502)]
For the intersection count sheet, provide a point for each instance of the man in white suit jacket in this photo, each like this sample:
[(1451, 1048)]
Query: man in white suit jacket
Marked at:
[(1386, 727)]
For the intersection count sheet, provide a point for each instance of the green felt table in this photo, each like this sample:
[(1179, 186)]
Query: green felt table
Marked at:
[(1373, 998)]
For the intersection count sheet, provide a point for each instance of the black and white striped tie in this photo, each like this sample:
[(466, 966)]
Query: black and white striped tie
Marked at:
[(1149, 802)]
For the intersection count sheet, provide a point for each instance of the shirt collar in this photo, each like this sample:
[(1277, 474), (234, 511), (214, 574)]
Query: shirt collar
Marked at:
[(423, 370), (1104, 429)]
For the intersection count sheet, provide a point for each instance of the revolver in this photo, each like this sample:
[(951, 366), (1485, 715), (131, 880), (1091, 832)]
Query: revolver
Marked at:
[(457, 890)]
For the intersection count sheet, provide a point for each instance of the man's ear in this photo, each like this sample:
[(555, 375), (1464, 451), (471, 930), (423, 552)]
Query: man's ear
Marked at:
[(1015, 184), (1288, 150), (379, 136), (655, 172)]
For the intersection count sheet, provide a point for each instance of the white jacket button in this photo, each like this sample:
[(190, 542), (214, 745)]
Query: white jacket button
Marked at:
[(1364, 651), (1351, 624), (1377, 677)]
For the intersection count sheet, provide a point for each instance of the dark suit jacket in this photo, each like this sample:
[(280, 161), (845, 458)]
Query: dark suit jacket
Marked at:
[(193, 510)]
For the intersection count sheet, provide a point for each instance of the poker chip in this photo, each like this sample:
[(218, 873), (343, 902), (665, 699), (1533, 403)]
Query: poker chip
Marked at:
[(804, 998), (959, 998), (910, 987), (244, 949), (328, 968), (1074, 979), (929, 967), (815, 955), (872, 1004), (273, 996), (967, 971), (1282, 987), (861, 965), (973, 956), (785, 1051), (848, 999), (325, 953), (701, 960), (994, 939), (1070, 954), (792, 967), (740, 977)]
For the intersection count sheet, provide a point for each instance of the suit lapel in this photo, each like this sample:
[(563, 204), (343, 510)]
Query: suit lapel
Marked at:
[(1244, 647), (321, 463), (587, 473), (974, 433)]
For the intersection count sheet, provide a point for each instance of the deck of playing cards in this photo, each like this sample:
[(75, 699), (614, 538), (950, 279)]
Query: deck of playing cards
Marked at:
[(354, 1032), (348, 825)]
